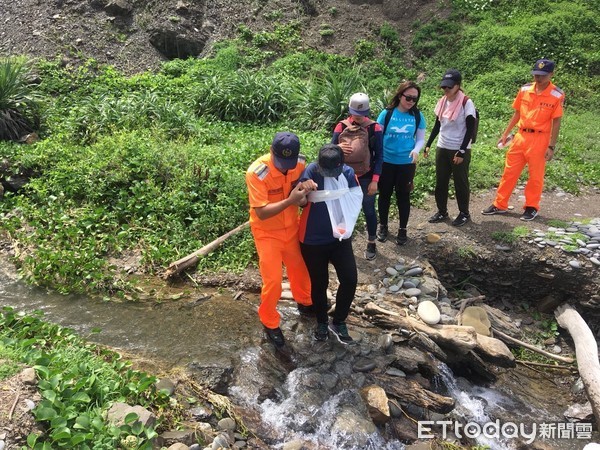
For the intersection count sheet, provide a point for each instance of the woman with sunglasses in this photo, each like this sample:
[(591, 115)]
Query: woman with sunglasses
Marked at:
[(455, 122), (403, 138)]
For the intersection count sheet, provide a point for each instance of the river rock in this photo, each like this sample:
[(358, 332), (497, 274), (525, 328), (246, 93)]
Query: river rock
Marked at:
[(377, 403), (226, 424), (296, 444), (429, 312), (575, 264), (432, 238), (414, 272), (477, 317), (354, 428), (391, 271), (364, 365), (408, 284), (580, 413), (385, 341), (412, 292)]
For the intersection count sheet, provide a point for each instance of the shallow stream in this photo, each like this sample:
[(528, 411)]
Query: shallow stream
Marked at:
[(310, 395)]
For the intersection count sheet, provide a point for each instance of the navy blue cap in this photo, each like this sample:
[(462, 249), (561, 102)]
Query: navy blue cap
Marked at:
[(543, 67), (285, 149)]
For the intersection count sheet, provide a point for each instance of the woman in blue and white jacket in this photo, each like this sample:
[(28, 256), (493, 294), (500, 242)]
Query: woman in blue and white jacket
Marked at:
[(403, 138)]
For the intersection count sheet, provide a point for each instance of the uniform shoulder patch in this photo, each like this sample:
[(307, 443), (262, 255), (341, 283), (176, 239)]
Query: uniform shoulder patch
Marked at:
[(557, 92), (526, 87), (261, 171)]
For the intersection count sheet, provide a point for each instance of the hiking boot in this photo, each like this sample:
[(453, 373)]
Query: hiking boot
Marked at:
[(371, 251), (340, 331), (322, 332), (461, 219), (529, 214), (306, 310), (438, 217), (491, 210), (382, 233), (401, 239), (275, 336)]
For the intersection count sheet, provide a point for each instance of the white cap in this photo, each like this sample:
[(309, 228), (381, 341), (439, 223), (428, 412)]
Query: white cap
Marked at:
[(359, 104)]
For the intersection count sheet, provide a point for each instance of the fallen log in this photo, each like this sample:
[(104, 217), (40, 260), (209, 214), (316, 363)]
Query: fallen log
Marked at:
[(193, 258), (460, 339), (409, 391), (511, 340), (586, 350)]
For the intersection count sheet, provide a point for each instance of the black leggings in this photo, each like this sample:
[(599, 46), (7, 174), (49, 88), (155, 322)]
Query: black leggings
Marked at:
[(317, 259), (399, 178)]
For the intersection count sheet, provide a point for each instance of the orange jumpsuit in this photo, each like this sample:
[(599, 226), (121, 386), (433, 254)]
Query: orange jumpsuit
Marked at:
[(276, 238), (537, 111)]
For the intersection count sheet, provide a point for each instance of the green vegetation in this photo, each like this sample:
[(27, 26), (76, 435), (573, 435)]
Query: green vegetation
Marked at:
[(154, 163), (18, 99), (78, 382), (510, 237)]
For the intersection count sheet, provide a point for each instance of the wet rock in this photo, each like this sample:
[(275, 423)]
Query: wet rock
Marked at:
[(393, 372), (377, 403), (580, 413), (429, 312), (364, 365), (385, 342), (215, 376), (166, 385), (294, 445), (577, 386), (354, 428)]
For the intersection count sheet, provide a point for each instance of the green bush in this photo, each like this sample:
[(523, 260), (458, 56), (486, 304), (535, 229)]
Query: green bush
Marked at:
[(18, 99)]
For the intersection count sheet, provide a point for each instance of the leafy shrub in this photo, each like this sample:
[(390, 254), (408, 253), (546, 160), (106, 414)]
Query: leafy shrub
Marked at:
[(18, 99), (77, 382)]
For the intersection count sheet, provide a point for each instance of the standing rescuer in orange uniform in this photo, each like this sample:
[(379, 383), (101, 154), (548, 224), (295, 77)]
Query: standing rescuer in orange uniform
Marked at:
[(274, 195), (538, 111)]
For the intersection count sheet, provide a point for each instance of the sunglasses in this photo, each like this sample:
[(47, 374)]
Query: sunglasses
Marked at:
[(446, 88), (410, 98)]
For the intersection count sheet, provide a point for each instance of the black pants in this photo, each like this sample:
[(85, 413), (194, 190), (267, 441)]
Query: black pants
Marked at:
[(317, 259), (399, 178), (444, 169)]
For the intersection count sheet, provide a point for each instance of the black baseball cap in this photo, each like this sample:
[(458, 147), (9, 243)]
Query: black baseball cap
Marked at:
[(331, 160), (451, 78)]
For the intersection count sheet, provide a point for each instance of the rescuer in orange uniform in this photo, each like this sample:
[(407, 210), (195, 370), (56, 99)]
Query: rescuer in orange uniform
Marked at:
[(538, 111), (275, 194)]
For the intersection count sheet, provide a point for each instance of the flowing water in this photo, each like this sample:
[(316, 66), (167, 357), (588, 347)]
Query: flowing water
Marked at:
[(310, 395)]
